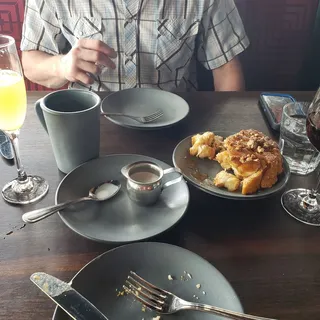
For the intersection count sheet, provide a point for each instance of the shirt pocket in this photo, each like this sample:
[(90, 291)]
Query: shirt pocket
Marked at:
[(82, 27), (175, 43)]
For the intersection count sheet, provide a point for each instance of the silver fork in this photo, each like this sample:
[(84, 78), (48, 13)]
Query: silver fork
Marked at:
[(165, 302), (142, 119)]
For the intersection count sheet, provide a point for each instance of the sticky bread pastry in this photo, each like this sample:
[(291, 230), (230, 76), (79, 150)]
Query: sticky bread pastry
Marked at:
[(254, 158), (227, 180), (224, 159), (252, 183), (205, 145)]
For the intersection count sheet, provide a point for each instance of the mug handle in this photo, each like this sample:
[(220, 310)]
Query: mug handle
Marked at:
[(174, 181), (40, 115)]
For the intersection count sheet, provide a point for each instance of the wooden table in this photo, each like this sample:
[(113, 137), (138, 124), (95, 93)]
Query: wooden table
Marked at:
[(271, 260)]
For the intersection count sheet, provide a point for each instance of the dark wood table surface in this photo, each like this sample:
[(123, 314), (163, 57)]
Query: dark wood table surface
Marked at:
[(271, 260)]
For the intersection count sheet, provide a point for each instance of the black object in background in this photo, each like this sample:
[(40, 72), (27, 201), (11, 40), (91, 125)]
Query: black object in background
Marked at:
[(272, 105), (5, 147)]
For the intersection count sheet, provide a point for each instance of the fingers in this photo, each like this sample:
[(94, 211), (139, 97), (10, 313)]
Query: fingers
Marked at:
[(97, 45), (86, 58), (88, 67), (95, 57), (77, 70), (84, 78)]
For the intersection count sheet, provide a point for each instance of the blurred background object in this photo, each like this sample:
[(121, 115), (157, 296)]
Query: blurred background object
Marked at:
[(285, 47)]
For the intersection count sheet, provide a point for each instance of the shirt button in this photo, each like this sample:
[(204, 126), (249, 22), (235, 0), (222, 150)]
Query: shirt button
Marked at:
[(81, 33), (129, 57)]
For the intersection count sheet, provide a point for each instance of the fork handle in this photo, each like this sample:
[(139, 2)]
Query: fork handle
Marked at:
[(113, 114), (220, 311)]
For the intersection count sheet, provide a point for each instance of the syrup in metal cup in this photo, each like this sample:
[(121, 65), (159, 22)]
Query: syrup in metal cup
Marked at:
[(145, 181)]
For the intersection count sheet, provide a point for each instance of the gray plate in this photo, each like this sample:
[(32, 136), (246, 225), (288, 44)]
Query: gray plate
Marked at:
[(184, 161), (99, 281), (139, 102), (118, 219)]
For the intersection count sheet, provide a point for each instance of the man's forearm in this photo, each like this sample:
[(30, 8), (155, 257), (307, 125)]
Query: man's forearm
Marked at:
[(229, 77), (43, 68)]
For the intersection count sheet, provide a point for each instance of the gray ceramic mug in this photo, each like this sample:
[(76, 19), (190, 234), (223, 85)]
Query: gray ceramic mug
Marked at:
[(71, 118)]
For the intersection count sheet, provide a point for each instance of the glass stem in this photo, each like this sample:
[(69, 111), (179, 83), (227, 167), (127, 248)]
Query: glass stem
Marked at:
[(314, 191), (13, 136)]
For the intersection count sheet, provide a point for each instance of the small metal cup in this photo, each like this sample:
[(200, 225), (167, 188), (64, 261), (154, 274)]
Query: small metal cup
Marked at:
[(145, 181)]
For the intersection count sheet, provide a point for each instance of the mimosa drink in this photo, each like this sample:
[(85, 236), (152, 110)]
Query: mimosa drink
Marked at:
[(13, 101)]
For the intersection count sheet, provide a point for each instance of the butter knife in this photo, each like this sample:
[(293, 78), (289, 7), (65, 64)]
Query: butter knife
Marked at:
[(67, 298)]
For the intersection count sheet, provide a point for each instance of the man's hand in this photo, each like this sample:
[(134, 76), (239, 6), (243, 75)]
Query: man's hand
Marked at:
[(229, 77), (87, 56)]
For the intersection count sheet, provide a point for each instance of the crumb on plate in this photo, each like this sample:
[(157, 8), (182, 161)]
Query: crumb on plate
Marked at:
[(120, 293)]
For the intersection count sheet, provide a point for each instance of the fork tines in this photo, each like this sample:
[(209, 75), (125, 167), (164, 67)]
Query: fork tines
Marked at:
[(148, 294), (154, 116)]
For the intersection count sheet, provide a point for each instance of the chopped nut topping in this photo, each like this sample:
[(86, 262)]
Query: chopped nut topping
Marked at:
[(260, 150), (251, 144)]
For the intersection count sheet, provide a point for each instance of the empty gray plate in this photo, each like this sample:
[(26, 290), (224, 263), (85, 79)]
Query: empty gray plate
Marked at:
[(118, 219), (101, 280), (188, 165), (140, 102)]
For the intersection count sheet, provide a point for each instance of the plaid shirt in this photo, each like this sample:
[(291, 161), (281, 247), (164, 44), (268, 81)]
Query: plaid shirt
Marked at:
[(157, 41)]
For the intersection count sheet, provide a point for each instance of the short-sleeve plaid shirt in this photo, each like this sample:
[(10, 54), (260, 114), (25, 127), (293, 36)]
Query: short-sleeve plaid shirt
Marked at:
[(157, 41)]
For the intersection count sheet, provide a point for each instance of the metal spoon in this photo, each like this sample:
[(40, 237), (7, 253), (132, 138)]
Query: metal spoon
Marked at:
[(102, 192)]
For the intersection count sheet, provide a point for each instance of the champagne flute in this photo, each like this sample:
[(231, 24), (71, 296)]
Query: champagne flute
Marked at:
[(304, 204), (13, 107)]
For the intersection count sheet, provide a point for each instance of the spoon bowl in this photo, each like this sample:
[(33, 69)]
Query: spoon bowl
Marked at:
[(105, 190), (101, 192)]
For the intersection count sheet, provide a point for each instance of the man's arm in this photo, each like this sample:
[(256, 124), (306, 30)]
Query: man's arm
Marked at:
[(229, 77), (43, 68), (222, 39), (53, 71), (43, 46)]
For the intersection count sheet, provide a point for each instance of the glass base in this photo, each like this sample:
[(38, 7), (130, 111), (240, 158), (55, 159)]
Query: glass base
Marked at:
[(301, 207), (31, 191)]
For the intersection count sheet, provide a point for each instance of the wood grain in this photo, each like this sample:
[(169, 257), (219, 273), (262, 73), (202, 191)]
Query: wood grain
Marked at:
[(271, 260)]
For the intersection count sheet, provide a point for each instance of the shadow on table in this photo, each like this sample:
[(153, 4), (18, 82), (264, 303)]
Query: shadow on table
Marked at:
[(214, 219)]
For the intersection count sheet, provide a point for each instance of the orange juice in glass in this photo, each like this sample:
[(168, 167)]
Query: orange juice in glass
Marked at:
[(13, 107)]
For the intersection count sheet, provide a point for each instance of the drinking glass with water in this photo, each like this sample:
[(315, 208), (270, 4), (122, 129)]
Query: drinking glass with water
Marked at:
[(302, 156), (304, 204)]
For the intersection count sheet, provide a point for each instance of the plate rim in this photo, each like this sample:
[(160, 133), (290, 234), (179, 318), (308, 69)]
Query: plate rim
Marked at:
[(140, 126), (157, 244), (112, 241), (240, 197)]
